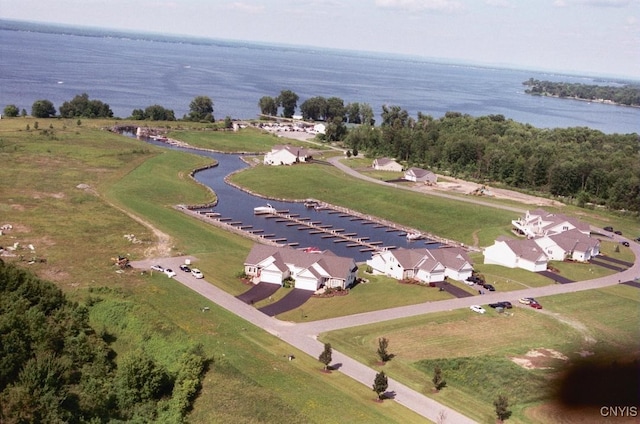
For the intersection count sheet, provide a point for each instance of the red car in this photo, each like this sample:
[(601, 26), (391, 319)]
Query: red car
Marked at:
[(535, 305)]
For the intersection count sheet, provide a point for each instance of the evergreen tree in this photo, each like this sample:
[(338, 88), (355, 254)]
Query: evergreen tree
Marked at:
[(380, 384), (325, 356)]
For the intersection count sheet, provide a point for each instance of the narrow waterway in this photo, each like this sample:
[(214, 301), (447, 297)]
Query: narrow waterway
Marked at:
[(236, 206)]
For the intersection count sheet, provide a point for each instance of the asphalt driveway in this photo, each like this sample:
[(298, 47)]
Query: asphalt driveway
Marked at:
[(258, 292), (293, 300)]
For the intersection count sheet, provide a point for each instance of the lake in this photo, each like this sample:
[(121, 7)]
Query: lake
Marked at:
[(130, 72)]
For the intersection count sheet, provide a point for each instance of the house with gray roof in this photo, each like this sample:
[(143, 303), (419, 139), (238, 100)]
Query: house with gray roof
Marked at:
[(403, 264), (456, 262), (309, 270), (538, 223), (420, 175), (286, 155), (572, 244), (386, 164), (516, 253)]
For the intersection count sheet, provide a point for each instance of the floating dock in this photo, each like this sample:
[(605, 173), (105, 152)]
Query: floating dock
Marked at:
[(316, 227)]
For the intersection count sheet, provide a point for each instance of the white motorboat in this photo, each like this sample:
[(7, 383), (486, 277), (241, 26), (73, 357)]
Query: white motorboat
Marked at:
[(261, 210), (414, 236)]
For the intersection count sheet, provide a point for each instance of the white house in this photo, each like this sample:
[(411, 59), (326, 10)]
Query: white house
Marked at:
[(403, 264), (572, 244), (320, 128), (539, 223), (286, 155), (512, 253), (456, 262), (420, 175), (386, 164), (310, 271)]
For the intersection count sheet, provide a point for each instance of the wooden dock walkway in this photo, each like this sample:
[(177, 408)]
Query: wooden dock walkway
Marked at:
[(316, 227)]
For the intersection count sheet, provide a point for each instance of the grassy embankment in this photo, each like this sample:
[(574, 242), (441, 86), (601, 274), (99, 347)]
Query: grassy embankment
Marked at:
[(475, 351), (78, 231)]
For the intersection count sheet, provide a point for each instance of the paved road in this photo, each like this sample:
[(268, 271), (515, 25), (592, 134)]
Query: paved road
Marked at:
[(303, 336)]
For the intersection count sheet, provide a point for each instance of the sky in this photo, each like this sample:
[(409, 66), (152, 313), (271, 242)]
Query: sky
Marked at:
[(587, 37)]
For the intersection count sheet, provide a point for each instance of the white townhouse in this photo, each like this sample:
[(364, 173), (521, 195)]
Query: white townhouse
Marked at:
[(403, 264), (516, 253), (286, 155), (309, 270), (420, 175), (386, 164), (538, 223), (456, 262), (572, 244)]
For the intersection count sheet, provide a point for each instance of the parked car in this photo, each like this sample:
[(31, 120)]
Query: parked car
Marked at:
[(157, 268), (610, 229), (504, 304), (185, 268), (197, 273), (535, 305), (489, 287), (477, 308), (170, 273), (526, 300), (618, 232), (625, 243)]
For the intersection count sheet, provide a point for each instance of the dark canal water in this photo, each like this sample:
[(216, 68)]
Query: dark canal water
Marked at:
[(238, 206)]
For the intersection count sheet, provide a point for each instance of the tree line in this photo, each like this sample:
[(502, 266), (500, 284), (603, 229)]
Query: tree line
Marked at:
[(580, 163), (54, 367), (628, 94), (200, 110)]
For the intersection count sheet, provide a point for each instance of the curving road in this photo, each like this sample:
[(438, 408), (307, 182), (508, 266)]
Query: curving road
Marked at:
[(303, 336)]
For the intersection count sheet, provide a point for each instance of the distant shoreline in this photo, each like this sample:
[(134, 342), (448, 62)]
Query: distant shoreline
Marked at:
[(601, 101)]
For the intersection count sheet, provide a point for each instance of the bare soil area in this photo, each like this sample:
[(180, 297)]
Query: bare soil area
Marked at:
[(455, 185)]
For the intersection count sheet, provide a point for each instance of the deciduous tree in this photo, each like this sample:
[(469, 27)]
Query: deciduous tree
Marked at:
[(11, 111), (380, 384), (201, 109), (502, 408), (43, 109), (438, 381), (325, 356), (289, 101), (268, 106)]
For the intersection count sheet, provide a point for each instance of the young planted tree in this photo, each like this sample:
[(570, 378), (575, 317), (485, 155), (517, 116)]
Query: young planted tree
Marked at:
[(383, 354), (380, 384), (438, 382), (325, 356), (502, 408)]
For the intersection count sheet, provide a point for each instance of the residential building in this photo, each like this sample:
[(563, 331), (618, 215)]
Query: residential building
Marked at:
[(538, 222), (516, 253), (572, 244), (386, 164), (401, 264), (286, 155), (456, 262), (309, 270), (420, 175)]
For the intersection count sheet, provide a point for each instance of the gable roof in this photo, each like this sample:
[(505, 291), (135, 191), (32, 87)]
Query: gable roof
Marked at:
[(526, 249), (384, 161), (574, 239), (294, 150), (451, 257), (419, 172), (316, 263)]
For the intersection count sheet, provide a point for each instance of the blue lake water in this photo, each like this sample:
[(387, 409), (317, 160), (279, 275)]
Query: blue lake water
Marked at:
[(129, 73), (238, 205)]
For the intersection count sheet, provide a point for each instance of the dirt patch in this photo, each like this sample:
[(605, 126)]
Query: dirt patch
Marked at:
[(455, 185), (540, 359)]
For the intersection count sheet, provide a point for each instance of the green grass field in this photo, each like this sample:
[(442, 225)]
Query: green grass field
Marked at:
[(474, 350), (78, 231), (67, 189)]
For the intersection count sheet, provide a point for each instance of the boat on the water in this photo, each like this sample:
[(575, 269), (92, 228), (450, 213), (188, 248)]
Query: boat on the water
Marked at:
[(414, 236), (261, 210)]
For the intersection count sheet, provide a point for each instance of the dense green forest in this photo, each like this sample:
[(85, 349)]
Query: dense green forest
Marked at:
[(55, 368), (580, 163), (628, 95)]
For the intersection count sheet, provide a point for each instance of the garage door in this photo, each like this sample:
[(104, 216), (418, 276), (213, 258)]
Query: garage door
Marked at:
[(306, 283), (271, 277)]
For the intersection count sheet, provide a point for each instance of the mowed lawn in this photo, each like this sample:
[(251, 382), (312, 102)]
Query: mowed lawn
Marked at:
[(443, 217), (602, 322), (79, 230)]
